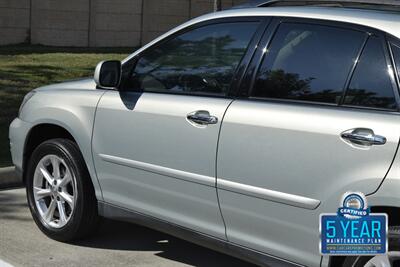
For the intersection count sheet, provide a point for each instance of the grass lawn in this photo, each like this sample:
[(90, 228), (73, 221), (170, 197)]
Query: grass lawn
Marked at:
[(23, 68)]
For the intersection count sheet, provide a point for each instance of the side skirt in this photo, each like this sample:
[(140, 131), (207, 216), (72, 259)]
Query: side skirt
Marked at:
[(117, 213)]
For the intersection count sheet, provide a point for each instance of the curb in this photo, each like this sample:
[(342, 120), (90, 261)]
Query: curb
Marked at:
[(9, 178)]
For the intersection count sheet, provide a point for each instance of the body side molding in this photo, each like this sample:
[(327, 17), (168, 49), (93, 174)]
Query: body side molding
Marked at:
[(173, 173), (280, 197), (271, 195)]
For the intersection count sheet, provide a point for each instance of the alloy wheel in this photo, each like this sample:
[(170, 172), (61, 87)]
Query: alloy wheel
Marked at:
[(54, 191), (391, 259)]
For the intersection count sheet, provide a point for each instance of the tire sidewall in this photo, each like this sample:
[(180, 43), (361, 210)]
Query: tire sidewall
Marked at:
[(55, 147), (394, 245)]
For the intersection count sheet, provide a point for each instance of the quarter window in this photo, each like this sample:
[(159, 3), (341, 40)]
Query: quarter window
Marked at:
[(202, 61), (370, 85), (308, 62), (396, 55)]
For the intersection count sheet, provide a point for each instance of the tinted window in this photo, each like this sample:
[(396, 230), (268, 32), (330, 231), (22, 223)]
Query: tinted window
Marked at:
[(396, 55), (202, 61), (308, 62), (370, 85)]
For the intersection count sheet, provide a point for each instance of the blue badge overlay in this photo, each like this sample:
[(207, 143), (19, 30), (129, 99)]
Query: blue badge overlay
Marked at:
[(353, 230)]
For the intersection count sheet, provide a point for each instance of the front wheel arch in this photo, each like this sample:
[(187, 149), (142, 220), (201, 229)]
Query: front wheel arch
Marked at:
[(39, 134), (83, 217)]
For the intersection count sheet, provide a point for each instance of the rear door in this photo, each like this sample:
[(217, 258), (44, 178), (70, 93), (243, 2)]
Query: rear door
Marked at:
[(155, 139), (320, 119)]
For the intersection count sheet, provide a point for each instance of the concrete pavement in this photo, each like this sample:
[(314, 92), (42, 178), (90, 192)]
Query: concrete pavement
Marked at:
[(9, 178), (115, 244)]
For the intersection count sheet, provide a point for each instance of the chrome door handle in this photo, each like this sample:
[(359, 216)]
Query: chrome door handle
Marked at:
[(363, 136), (202, 117)]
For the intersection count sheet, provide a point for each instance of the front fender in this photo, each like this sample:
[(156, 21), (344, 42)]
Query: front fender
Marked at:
[(75, 112)]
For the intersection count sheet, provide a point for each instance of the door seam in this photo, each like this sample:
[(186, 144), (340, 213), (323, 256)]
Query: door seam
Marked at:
[(216, 168), (390, 167)]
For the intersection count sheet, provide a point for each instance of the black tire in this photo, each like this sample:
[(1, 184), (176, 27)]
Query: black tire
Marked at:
[(84, 219), (394, 245)]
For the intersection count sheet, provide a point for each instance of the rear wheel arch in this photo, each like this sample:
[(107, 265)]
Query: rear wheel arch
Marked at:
[(392, 212), (394, 220)]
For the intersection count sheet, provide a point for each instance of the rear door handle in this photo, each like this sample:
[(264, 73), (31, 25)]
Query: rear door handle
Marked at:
[(202, 117), (363, 137)]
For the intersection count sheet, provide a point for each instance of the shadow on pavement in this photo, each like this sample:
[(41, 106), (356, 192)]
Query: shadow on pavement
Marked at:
[(9, 178), (116, 235), (13, 207)]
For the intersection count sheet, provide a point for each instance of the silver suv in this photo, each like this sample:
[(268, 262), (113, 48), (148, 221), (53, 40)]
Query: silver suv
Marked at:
[(235, 130)]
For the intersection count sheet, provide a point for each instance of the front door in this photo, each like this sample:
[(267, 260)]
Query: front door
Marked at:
[(155, 139)]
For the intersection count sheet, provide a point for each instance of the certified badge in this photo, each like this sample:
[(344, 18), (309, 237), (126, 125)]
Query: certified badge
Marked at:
[(353, 230)]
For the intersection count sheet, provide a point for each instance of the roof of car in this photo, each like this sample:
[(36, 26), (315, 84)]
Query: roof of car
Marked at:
[(393, 5), (386, 21)]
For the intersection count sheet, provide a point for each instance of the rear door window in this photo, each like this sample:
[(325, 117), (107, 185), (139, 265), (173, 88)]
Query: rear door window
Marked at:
[(308, 62), (371, 85)]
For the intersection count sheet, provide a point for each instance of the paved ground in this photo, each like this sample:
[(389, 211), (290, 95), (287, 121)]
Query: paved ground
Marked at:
[(9, 178), (116, 244)]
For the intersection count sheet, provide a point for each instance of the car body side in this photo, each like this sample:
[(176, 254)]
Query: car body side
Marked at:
[(73, 112), (72, 106)]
